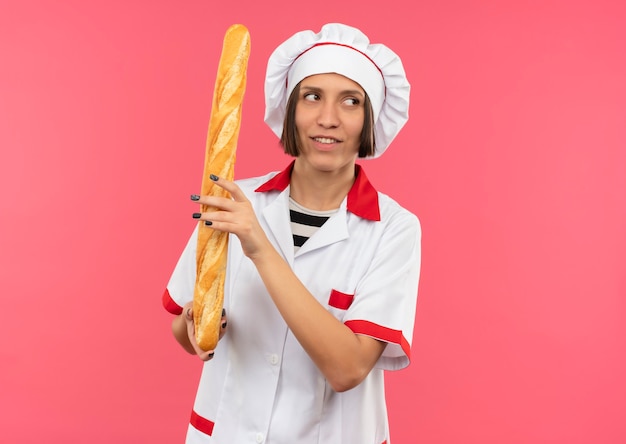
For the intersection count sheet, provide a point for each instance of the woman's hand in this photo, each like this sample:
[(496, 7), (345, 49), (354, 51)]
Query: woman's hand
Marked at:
[(191, 331), (235, 216)]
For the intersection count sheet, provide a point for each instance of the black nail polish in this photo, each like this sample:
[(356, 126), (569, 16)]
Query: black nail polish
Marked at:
[(195, 197), (224, 324), (196, 215), (223, 312), (211, 354), (208, 223), (213, 177)]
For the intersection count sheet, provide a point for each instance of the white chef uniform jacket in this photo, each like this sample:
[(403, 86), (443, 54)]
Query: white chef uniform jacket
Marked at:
[(261, 386)]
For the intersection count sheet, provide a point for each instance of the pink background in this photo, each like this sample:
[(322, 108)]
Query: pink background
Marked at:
[(514, 159)]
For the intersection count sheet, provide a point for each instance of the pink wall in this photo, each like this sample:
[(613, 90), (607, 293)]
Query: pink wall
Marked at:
[(514, 158)]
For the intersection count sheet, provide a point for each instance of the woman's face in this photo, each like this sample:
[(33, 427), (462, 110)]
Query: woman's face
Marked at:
[(329, 117)]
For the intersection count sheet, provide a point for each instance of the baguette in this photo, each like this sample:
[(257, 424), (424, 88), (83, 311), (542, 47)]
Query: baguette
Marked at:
[(221, 144)]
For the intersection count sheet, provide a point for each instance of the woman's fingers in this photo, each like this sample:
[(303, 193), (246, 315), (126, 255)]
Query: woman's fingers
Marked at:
[(206, 356), (220, 203), (231, 187), (191, 332), (224, 323), (234, 215)]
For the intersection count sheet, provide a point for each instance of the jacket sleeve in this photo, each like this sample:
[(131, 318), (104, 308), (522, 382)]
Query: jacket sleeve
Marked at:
[(180, 287), (385, 299)]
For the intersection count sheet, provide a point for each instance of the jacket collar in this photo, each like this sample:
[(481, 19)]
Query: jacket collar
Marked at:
[(362, 197)]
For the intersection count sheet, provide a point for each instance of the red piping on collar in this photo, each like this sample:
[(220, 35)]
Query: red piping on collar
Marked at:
[(362, 197)]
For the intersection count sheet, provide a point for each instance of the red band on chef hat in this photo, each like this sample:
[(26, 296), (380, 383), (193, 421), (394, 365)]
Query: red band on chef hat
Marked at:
[(340, 59), (347, 51)]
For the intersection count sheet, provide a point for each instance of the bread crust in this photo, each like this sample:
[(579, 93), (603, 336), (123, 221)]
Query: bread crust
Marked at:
[(224, 124)]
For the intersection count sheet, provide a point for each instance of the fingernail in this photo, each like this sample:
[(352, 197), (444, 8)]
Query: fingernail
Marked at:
[(189, 312), (211, 354), (195, 197), (223, 312), (213, 177), (224, 324), (196, 215), (208, 222)]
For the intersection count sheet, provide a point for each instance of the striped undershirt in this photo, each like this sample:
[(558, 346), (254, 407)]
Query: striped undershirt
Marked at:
[(305, 222)]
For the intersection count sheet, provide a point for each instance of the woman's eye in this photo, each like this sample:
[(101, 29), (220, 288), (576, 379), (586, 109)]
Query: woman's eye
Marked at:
[(352, 101), (310, 96)]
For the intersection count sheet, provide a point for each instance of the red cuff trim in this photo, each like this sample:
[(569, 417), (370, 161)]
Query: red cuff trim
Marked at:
[(340, 300), (202, 424), (382, 333), (170, 305)]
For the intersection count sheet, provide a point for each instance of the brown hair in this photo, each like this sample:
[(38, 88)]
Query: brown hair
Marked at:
[(291, 142)]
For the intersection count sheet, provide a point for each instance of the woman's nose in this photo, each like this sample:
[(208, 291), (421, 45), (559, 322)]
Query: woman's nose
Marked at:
[(328, 116)]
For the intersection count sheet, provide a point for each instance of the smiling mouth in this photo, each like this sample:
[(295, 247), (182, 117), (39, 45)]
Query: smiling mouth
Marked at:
[(325, 140)]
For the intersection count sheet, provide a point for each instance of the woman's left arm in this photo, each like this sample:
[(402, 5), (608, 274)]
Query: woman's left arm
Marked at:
[(345, 358)]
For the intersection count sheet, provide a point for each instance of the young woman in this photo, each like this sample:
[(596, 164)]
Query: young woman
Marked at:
[(322, 269)]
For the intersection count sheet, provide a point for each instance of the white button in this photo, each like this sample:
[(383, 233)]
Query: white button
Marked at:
[(273, 359), (259, 437)]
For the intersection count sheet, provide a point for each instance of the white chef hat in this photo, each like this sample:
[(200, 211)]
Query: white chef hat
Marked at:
[(347, 51)]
